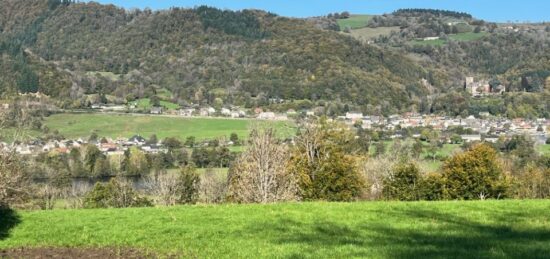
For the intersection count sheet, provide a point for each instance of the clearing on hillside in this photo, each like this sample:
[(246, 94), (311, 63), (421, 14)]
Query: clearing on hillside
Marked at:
[(354, 22)]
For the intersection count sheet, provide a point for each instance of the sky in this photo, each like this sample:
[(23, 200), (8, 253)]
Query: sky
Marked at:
[(490, 10)]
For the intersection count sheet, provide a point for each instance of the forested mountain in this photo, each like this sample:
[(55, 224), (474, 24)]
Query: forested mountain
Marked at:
[(452, 46), (86, 53), (83, 53)]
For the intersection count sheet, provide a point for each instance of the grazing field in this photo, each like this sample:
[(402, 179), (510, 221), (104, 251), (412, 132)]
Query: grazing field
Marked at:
[(365, 34), (466, 36), (145, 103), (438, 42), (453, 229), (112, 125), (354, 22)]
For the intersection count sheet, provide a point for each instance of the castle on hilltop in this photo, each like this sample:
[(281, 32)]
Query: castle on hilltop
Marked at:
[(482, 87)]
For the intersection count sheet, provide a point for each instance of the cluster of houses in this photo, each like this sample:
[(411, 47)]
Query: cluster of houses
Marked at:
[(489, 127), (107, 146), (230, 112)]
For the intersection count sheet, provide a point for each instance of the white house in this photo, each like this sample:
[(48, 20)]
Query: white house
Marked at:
[(354, 115), (471, 138), (267, 116), (225, 112)]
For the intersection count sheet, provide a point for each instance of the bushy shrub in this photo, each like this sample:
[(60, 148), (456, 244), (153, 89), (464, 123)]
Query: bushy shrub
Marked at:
[(115, 194), (187, 187), (474, 174), (403, 183)]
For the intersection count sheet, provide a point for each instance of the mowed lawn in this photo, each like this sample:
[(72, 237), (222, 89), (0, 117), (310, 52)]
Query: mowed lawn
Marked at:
[(110, 125), (482, 229)]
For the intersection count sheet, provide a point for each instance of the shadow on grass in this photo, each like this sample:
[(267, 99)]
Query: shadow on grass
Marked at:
[(8, 220), (418, 233)]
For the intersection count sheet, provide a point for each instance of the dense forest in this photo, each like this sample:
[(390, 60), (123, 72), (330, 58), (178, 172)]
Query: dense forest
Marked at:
[(73, 51), (87, 53)]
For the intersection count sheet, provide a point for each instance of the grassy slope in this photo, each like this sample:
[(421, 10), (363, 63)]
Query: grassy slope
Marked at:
[(372, 33), (487, 229), (466, 36), (354, 22), (81, 125)]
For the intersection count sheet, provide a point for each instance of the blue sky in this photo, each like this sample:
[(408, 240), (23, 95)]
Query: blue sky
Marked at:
[(491, 10)]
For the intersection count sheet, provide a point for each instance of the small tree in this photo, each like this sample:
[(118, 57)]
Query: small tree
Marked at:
[(188, 185), (153, 140), (190, 141), (324, 169), (155, 101), (114, 194), (456, 139), (403, 183), (234, 138), (13, 181), (260, 174)]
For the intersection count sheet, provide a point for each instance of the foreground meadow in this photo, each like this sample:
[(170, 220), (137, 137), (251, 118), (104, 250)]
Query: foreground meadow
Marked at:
[(482, 229)]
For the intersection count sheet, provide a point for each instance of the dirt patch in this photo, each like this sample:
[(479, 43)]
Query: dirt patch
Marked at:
[(83, 253)]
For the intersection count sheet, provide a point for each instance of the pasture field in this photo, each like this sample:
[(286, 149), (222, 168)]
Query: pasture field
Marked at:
[(451, 229), (354, 22), (145, 103), (466, 36), (366, 33), (113, 125), (438, 42)]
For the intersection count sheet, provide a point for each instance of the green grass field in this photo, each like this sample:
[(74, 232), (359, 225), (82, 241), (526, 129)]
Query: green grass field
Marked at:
[(354, 22), (466, 36), (145, 103), (11, 134), (544, 149), (110, 125), (453, 229), (438, 42), (365, 34)]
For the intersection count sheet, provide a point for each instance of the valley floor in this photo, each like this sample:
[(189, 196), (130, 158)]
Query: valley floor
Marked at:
[(481, 229)]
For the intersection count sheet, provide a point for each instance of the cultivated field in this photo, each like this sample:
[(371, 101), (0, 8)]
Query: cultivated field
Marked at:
[(454, 229), (111, 125)]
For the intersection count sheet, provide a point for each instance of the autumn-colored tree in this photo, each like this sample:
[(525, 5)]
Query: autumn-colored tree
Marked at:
[(533, 183), (13, 182), (260, 174), (474, 174), (325, 171), (403, 183)]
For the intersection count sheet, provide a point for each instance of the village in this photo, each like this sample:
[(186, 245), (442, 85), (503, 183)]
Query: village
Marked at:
[(482, 128)]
